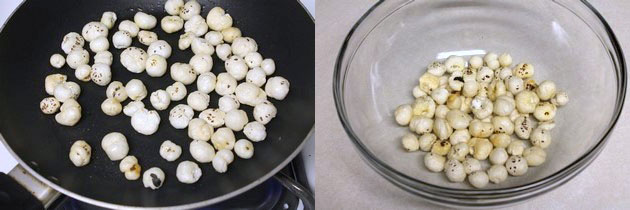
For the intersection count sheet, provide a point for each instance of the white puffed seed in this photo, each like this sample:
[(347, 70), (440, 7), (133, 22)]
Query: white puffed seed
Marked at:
[(144, 20), (471, 165), (403, 114), (433, 162), (129, 26), (440, 111), (80, 153), (115, 146), (185, 40), (196, 25), (183, 72), (523, 127), (160, 99), (454, 63), (111, 107), (516, 165), (458, 151), (145, 122), (172, 24), (410, 142), (249, 94), (481, 107), (134, 59), (458, 119), (540, 137), (130, 167), (218, 20), (470, 88), (77, 57), (201, 151), (497, 174), (265, 112), (545, 111), (133, 107), (228, 103), (514, 84), (199, 129), (160, 47), (268, 65), (67, 90), (504, 73), (190, 9), (117, 91), (244, 149), (436, 68), (206, 82), (198, 100), (253, 59), (188, 172), (201, 63), (177, 91), (226, 84), (500, 140), (440, 95), (426, 141), (226, 155), (524, 70), (505, 60), (236, 119), (214, 117), (104, 57), (526, 101), (219, 164), (57, 60), (224, 51), (93, 30), (255, 131), (485, 75), (170, 151), (277, 87), (136, 90), (243, 45), (231, 33), (223, 138), (561, 98), (454, 171), (49, 105), (498, 156), (153, 178), (478, 179), (442, 129), (147, 37), (482, 149), (214, 38), (503, 106), (417, 93), (72, 41), (99, 44), (256, 76), (428, 82), (180, 116), (101, 74), (516, 147), (156, 65), (236, 67), (173, 7), (534, 156), (502, 125), (121, 39), (546, 90)]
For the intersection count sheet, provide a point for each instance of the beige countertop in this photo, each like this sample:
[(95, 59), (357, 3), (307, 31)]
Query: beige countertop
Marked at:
[(345, 181)]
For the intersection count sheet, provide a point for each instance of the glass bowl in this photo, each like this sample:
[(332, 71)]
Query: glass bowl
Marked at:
[(390, 46)]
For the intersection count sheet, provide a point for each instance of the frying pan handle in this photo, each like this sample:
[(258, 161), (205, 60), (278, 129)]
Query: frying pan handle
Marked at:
[(21, 181), (296, 188)]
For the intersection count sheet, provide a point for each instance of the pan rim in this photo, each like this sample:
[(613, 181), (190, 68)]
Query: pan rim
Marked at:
[(183, 206)]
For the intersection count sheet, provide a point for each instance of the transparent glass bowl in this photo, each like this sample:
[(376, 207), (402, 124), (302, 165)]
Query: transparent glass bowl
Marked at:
[(390, 46)]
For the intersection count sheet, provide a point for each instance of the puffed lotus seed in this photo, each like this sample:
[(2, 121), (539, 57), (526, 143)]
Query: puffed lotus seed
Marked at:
[(482, 149), (459, 136), (410, 142), (478, 179), (440, 111), (500, 140), (426, 141), (540, 137), (471, 165), (436, 68), (516, 165), (516, 147), (545, 111), (498, 156), (458, 152), (433, 162), (441, 147), (454, 171), (534, 156), (497, 174)]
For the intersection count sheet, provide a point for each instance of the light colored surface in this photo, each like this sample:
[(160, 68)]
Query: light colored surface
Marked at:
[(6, 160), (345, 181)]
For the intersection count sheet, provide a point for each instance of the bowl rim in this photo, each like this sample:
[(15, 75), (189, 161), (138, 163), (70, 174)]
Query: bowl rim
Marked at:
[(562, 176)]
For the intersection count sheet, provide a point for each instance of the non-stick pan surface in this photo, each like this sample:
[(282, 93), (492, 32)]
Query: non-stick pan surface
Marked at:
[(283, 31)]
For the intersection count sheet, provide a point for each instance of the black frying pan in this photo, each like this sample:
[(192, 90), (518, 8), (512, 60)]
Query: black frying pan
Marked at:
[(283, 31)]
